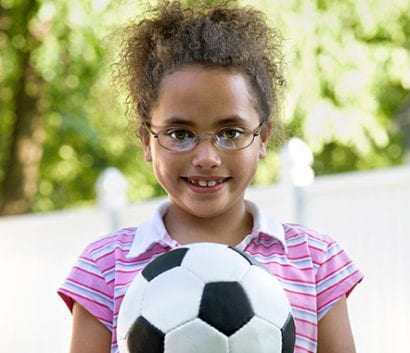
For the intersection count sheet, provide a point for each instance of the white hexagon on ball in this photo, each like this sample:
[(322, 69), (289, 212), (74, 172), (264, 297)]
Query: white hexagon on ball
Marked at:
[(256, 336), (272, 291), (221, 265), (195, 336), (171, 298)]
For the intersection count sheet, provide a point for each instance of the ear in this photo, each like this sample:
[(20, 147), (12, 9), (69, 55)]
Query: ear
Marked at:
[(265, 136), (144, 137), (147, 153)]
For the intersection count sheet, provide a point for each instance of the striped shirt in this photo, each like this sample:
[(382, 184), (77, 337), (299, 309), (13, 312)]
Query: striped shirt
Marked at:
[(312, 268)]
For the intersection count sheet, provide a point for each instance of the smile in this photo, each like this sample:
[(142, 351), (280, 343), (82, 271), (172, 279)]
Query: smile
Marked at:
[(205, 183)]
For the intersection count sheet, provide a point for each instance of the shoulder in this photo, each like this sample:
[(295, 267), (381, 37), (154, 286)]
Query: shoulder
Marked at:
[(112, 244), (335, 272), (296, 234), (92, 274), (309, 244)]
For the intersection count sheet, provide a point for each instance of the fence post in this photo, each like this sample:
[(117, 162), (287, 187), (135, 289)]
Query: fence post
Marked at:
[(296, 174), (111, 190)]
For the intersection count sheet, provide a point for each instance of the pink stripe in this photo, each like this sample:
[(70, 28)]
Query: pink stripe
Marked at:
[(331, 288), (333, 256), (312, 339), (300, 293), (131, 261), (322, 239), (287, 266), (92, 289), (296, 230), (299, 257), (294, 280), (96, 312), (321, 250), (299, 348), (309, 309), (305, 322), (125, 278), (79, 269), (120, 297), (343, 266), (304, 245), (117, 236), (110, 253)]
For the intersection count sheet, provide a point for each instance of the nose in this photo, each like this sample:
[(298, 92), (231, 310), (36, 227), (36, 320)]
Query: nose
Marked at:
[(206, 155)]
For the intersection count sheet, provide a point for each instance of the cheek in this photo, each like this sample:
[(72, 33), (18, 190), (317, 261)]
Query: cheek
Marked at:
[(165, 165), (162, 175), (247, 164)]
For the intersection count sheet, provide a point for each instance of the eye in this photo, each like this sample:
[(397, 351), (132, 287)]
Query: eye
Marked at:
[(231, 133), (180, 134)]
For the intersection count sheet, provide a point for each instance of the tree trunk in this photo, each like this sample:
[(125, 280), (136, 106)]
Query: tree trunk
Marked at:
[(22, 170)]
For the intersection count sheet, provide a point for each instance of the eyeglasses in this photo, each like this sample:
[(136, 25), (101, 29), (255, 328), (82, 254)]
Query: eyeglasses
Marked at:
[(230, 138)]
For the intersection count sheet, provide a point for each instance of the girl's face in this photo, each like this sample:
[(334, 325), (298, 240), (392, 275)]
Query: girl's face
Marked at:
[(205, 181)]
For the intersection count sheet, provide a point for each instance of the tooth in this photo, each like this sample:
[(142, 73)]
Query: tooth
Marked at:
[(212, 183), (202, 183), (193, 182)]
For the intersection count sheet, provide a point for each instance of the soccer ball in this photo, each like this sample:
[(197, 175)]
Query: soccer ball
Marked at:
[(205, 298)]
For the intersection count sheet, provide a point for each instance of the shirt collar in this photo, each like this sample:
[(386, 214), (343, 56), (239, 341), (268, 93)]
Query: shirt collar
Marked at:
[(153, 231)]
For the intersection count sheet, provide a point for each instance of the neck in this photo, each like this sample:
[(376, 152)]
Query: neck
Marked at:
[(228, 228)]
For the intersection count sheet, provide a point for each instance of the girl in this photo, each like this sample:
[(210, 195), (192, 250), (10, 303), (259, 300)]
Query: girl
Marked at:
[(205, 84)]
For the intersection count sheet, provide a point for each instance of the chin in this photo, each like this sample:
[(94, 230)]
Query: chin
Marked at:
[(204, 212), (206, 209)]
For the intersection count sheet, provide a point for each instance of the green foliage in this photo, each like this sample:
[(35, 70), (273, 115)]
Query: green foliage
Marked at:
[(348, 70), (85, 121)]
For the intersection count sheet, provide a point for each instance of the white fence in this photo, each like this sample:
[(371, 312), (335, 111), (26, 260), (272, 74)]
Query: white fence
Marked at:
[(367, 212)]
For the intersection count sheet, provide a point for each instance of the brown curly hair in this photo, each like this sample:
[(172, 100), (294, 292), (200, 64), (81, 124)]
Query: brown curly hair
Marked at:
[(222, 34)]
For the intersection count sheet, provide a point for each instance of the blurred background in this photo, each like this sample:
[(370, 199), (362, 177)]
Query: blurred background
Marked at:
[(63, 123)]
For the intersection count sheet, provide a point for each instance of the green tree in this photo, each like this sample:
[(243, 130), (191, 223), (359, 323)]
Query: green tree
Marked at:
[(21, 100), (61, 121), (349, 71)]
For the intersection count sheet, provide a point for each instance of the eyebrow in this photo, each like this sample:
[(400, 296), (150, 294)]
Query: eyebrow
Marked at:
[(174, 120), (230, 120), (233, 120)]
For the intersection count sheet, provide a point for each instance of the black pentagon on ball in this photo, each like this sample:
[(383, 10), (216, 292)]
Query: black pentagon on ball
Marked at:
[(144, 337), (288, 335), (225, 306), (164, 263)]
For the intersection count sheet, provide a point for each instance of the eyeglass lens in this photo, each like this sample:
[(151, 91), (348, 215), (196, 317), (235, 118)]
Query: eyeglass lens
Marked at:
[(229, 138)]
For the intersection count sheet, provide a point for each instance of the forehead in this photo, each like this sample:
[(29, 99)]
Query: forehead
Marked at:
[(201, 95)]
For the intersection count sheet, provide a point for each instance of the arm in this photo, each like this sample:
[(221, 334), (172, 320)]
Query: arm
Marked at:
[(89, 335), (334, 332)]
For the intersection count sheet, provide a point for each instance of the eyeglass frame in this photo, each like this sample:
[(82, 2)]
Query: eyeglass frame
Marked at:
[(255, 132)]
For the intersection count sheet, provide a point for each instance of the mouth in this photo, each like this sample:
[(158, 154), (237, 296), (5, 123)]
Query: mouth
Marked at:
[(205, 182)]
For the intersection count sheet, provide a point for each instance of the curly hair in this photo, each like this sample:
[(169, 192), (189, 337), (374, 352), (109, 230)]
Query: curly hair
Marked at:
[(219, 35)]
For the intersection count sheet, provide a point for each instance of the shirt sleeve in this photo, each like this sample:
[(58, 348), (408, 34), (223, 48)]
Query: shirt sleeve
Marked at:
[(87, 285), (336, 276)]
